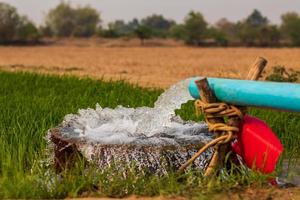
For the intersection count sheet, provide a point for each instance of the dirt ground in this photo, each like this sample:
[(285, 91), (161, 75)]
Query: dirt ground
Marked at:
[(248, 194), (148, 66)]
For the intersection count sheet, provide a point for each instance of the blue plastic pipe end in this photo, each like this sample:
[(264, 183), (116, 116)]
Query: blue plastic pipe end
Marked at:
[(193, 89), (282, 96)]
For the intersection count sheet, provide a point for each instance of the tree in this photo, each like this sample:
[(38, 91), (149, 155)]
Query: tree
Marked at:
[(9, 20), (290, 27), (178, 32), (115, 29), (269, 36), (119, 28), (61, 20), (15, 28), (247, 33), (46, 31), (133, 24), (65, 21), (257, 19), (229, 29), (251, 29), (143, 32), (27, 31), (159, 25), (86, 21), (195, 28), (219, 37)]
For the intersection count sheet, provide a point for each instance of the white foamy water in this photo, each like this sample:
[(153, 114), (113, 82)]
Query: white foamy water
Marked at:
[(144, 125)]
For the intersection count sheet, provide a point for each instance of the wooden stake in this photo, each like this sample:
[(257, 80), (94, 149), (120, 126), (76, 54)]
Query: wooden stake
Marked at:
[(254, 73), (256, 69), (208, 96)]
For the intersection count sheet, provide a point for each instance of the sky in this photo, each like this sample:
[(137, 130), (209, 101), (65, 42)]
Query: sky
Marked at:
[(212, 10)]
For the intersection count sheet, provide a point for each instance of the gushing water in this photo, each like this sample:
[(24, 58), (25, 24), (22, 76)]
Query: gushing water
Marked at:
[(144, 125)]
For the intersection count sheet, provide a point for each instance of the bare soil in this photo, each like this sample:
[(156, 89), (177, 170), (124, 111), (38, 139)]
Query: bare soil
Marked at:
[(271, 193)]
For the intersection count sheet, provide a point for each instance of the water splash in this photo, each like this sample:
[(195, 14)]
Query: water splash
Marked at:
[(144, 125)]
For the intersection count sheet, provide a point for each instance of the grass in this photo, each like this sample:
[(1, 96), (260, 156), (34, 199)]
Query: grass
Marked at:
[(30, 104)]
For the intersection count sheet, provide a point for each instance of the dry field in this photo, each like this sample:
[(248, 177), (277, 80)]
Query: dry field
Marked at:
[(147, 66)]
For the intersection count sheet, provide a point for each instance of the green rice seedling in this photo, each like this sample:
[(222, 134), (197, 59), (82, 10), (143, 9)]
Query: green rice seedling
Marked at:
[(30, 104)]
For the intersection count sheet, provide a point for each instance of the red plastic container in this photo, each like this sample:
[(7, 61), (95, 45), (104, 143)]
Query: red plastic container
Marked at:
[(258, 145)]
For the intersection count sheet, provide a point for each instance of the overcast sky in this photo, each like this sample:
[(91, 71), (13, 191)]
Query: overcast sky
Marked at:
[(174, 9)]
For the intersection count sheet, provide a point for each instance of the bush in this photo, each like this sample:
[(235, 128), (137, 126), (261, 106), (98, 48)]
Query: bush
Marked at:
[(281, 74)]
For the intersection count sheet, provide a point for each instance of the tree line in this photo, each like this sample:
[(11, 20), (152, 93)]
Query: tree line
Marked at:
[(67, 21)]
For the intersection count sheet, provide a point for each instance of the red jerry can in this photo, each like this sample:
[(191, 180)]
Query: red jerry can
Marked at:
[(258, 146)]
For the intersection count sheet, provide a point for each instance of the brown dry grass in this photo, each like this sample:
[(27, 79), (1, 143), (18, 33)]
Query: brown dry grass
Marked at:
[(147, 66)]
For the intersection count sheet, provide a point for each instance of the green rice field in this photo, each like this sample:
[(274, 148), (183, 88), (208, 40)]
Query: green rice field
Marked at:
[(31, 103)]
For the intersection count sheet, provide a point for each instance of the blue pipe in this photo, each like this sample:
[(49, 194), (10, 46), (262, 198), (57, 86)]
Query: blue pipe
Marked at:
[(282, 96)]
